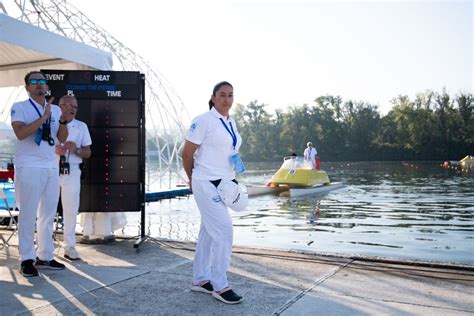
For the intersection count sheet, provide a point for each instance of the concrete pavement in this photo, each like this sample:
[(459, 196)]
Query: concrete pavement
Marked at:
[(115, 279)]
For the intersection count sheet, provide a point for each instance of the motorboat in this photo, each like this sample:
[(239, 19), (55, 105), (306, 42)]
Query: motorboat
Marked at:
[(467, 161), (297, 177), (317, 189), (298, 172), (254, 190)]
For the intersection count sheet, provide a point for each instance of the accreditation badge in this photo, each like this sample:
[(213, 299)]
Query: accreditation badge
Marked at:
[(238, 163)]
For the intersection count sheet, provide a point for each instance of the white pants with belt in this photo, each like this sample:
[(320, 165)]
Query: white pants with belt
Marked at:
[(37, 193), (214, 245), (70, 199)]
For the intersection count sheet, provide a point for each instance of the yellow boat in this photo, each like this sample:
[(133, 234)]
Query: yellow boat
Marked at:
[(467, 161), (297, 172), (296, 178)]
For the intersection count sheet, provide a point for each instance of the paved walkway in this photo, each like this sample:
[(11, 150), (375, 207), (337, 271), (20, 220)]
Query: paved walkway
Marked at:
[(115, 279)]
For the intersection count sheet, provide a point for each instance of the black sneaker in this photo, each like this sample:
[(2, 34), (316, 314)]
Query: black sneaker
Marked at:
[(27, 269), (205, 288), (228, 297), (51, 264)]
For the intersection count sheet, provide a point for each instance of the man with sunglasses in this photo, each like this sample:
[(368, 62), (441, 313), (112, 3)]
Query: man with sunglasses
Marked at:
[(38, 125)]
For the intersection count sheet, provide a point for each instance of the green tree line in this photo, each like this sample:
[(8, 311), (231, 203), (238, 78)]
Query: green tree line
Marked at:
[(433, 126)]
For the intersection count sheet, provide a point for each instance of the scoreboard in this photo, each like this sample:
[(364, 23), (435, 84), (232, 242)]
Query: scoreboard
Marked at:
[(112, 104)]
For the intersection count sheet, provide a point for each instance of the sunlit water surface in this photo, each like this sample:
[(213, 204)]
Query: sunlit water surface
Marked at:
[(414, 211)]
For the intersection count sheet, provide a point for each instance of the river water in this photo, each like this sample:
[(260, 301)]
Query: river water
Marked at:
[(417, 211)]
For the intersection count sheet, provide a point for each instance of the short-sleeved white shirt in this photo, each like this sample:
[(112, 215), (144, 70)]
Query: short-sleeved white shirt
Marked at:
[(78, 133), (28, 153), (311, 156), (212, 159)]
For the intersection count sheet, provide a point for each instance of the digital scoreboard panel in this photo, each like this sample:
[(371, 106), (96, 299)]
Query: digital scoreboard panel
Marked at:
[(111, 103)]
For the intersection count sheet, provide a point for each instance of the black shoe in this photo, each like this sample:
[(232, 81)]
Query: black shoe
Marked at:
[(205, 288), (228, 297), (51, 264), (27, 269)]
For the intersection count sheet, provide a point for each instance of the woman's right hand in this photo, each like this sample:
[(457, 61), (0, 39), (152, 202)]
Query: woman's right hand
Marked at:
[(190, 184), (188, 161)]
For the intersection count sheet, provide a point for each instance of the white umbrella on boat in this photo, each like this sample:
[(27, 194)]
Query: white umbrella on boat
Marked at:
[(6, 131)]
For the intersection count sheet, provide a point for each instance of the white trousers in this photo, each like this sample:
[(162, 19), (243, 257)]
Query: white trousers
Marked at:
[(70, 198), (214, 245), (37, 193)]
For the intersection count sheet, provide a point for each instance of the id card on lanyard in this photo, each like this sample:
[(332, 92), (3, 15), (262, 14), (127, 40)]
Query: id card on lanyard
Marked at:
[(235, 157), (39, 131)]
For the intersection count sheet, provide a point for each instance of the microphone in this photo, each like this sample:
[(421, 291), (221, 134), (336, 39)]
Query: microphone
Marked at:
[(39, 93)]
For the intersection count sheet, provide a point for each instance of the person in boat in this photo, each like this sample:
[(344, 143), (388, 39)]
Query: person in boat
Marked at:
[(310, 154), (295, 162), (39, 125), (209, 154), (70, 154)]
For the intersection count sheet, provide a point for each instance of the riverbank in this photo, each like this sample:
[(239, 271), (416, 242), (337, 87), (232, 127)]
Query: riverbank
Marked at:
[(114, 279)]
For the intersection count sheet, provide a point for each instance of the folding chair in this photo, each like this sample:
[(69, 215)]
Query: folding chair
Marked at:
[(7, 212)]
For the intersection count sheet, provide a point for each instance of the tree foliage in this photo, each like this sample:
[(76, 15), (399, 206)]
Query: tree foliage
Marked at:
[(433, 126)]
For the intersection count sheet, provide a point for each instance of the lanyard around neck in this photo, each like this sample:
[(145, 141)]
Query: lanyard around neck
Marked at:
[(37, 111), (230, 131)]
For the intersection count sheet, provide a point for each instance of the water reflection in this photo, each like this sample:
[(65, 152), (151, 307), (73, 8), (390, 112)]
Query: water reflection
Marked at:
[(315, 213), (412, 211), (416, 211)]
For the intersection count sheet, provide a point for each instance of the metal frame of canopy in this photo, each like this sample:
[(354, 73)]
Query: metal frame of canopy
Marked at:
[(6, 131), (25, 47)]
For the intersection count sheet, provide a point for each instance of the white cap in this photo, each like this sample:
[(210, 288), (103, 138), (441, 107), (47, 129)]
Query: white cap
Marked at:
[(232, 195)]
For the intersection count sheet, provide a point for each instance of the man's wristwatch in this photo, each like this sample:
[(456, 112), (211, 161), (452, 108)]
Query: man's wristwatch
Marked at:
[(78, 152)]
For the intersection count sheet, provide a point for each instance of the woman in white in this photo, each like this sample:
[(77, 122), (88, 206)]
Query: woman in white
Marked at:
[(210, 143)]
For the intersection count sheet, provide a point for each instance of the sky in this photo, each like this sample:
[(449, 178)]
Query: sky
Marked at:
[(287, 53)]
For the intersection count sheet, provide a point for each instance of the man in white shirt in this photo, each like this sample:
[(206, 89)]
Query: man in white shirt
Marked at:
[(71, 153), (310, 154), (38, 125)]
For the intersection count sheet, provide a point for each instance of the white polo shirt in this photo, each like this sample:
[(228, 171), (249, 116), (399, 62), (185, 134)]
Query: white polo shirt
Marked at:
[(28, 153), (78, 133), (212, 159), (310, 155)]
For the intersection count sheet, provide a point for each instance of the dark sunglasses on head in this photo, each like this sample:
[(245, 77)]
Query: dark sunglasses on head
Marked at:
[(36, 81)]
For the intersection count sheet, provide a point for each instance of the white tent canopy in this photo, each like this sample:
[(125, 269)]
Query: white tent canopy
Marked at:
[(25, 47)]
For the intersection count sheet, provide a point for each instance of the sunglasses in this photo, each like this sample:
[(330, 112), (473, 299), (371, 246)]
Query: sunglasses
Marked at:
[(36, 81)]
